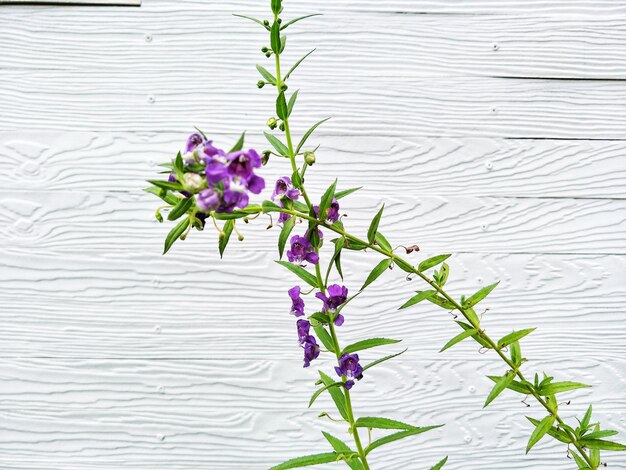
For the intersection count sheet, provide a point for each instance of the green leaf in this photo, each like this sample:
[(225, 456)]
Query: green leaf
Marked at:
[(253, 19), (440, 301), (284, 234), (342, 448), (276, 6), (281, 106), (432, 262), (169, 185), (440, 465), (301, 273), (319, 391), (480, 295), (337, 396), (582, 465), (163, 194), (368, 344), (383, 359), (382, 423), (275, 38), (181, 208), (228, 229), (324, 337), (336, 258), (346, 192), (382, 242), (558, 434), (587, 417), (560, 387), (516, 353), (601, 444), (308, 134), (239, 144), (373, 228), (307, 460), (269, 206), (477, 338), (443, 274), (540, 430), (421, 295), (500, 385), (516, 386), (320, 318), (283, 43), (251, 209), (600, 434), (327, 200), (277, 144), (458, 338), (175, 234), (377, 272), (406, 267), (269, 78), (514, 336), (292, 102), (289, 23), (396, 436), (295, 66)]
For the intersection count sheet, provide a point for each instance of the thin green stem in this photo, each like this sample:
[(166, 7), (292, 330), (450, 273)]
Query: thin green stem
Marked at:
[(493, 344)]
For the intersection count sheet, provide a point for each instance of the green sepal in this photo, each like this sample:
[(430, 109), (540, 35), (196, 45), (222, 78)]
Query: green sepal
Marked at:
[(288, 226), (373, 228), (175, 234), (502, 383), (180, 209), (368, 344), (421, 295), (223, 240), (301, 273), (378, 270)]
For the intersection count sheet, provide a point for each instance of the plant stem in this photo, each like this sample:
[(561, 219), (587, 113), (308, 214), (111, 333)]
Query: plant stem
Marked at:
[(493, 344), (318, 273)]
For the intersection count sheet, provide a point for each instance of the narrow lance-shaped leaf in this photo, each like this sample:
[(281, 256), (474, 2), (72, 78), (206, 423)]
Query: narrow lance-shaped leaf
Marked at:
[(164, 194), (281, 106), (368, 344), (480, 295), (514, 336), (516, 353), (600, 434), (440, 465), (307, 460), (181, 209), (377, 272), (169, 185), (301, 273), (458, 338), (500, 385), (480, 340), (336, 395), (382, 359), (175, 234), (373, 228), (336, 258), (275, 37), (516, 386), (423, 295), (324, 337), (558, 434), (319, 391), (540, 430), (308, 134), (342, 448), (432, 262), (326, 200), (276, 6), (382, 242), (346, 192), (582, 465), (396, 436), (295, 20), (277, 144), (253, 19), (560, 387), (601, 444), (382, 423), (295, 66), (269, 78), (292, 102), (587, 418), (284, 234), (269, 206), (239, 144), (223, 240)]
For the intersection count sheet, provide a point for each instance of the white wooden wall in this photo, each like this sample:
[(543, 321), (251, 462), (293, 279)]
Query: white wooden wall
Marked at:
[(491, 129)]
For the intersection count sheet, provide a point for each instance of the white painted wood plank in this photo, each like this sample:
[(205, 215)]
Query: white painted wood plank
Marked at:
[(163, 414), (192, 305), (392, 105), (90, 222), (71, 161), (162, 40)]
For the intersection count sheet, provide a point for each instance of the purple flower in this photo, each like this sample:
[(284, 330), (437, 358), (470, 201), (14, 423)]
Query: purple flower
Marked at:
[(193, 141), (302, 251), (311, 349), (210, 151), (284, 188), (242, 164), (208, 200), (337, 296), (350, 368), (332, 213), (297, 304), (303, 330)]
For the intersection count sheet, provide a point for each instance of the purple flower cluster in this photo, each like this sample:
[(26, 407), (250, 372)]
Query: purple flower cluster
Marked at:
[(284, 191), (308, 342), (335, 298), (350, 368), (229, 176), (297, 304), (302, 251)]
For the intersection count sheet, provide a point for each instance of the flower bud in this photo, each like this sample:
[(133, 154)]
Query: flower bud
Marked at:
[(265, 157), (268, 54), (264, 49), (282, 126), (260, 84), (266, 23), (193, 182), (283, 86), (280, 20), (309, 158), (240, 237), (272, 123)]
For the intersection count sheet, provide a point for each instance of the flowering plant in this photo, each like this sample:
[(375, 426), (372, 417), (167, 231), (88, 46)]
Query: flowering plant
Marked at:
[(205, 182)]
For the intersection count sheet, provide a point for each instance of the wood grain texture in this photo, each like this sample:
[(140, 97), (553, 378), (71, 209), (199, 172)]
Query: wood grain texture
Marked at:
[(83, 161), (162, 39), (492, 129)]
